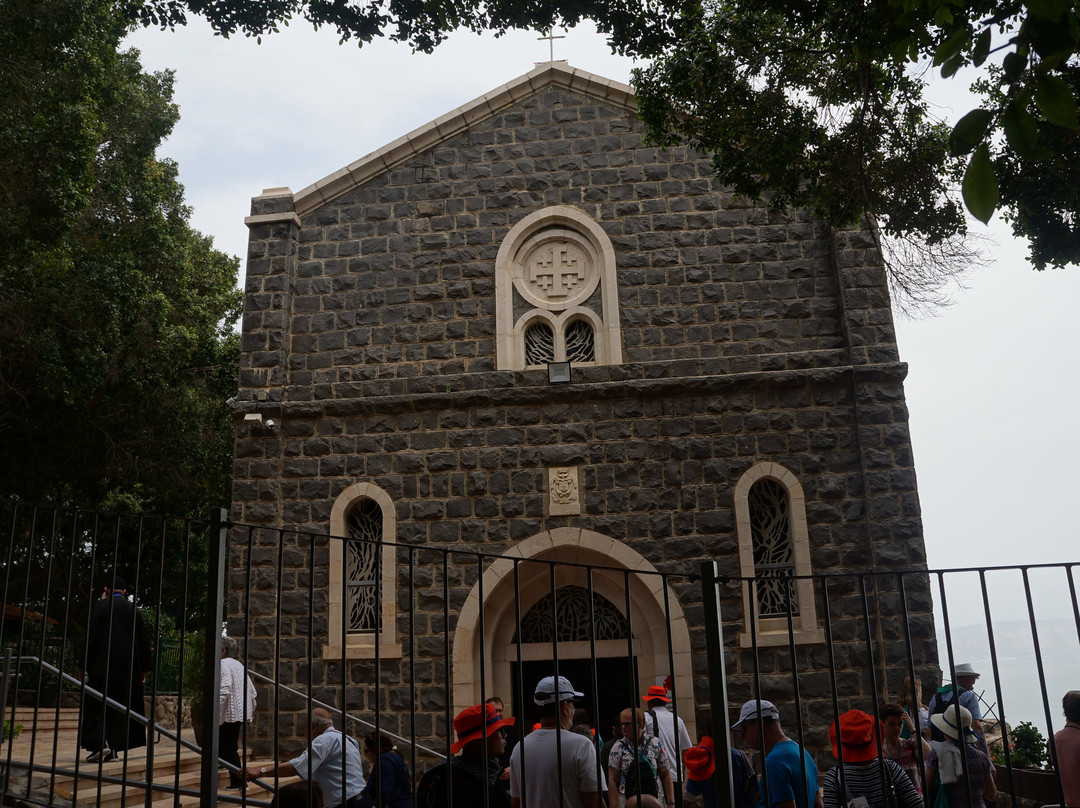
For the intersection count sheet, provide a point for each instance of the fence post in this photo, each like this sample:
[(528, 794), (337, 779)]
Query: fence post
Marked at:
[(215, 616), (718, 699), (3, 714)]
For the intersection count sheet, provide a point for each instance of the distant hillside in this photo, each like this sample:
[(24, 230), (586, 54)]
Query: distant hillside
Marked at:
[(1012, 638)]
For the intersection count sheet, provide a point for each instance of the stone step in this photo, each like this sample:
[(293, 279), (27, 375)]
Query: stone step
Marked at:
[(53, 739)]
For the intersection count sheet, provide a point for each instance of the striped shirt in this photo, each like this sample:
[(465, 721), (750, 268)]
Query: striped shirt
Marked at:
[(235, 687), (865, 780)]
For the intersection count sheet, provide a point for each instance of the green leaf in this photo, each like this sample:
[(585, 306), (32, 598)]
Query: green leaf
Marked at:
[(1013, 65), (1050, 10), (948, 70), (943, 17), (980, 186), (1055, 100), (982, 47), (969, 131), (951, 46), (1021, 131)]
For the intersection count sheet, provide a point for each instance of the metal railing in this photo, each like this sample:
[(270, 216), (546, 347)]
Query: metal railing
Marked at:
[(456, 625)]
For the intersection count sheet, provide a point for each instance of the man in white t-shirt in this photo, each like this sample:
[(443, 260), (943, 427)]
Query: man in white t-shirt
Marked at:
[(535, 771), (656, 701)]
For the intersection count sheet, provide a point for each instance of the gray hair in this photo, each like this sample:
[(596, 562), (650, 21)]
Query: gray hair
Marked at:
[(230, 646), (321, 721)]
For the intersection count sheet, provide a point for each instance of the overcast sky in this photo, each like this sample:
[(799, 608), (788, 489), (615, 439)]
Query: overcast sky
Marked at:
[(992, 390)]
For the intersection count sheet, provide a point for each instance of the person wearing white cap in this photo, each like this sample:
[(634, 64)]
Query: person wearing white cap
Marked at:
[(553, 755), (790, 779), (969, 699)]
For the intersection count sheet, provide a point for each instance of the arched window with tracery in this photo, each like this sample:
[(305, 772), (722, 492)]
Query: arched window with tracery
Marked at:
[(556, 292), (362, 581), (774, 558), (539, 344), (574, 620), (362, 565), (580, 342)]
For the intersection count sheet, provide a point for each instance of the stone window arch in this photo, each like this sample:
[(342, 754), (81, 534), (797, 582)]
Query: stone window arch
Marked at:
[(556, 292), (774, 544), (363, 580)]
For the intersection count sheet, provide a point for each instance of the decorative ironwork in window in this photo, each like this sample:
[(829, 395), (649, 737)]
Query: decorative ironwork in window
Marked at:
[(580, 342), (774, 561), (365, 522), (572, 618), (539, 344)]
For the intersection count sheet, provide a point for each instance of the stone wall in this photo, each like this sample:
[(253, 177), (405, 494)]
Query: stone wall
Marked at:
[(748, 335)]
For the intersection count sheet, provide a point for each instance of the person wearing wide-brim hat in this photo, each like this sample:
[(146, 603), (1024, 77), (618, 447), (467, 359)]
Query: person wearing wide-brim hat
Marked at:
[(480, 736), (865, 772), (946, 762)]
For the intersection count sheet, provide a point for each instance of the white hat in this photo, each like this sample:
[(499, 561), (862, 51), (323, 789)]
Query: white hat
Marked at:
[(749, 712), (545, 692), (965, 669), (946, 721)]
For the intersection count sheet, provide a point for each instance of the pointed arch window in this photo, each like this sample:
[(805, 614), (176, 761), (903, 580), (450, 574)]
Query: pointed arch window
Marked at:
[(774, 552)]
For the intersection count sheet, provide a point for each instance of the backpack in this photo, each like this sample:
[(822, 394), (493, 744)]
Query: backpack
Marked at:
[(746, 782), (640, 776), (941, 702)]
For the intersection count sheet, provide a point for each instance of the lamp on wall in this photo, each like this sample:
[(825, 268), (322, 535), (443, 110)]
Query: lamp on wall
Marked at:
[(558, 372)]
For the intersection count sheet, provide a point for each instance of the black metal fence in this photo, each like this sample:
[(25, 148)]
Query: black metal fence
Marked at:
[(397, 639)]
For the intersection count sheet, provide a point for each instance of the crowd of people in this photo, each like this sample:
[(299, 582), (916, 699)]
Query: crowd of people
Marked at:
[(908, 755), (892, 760)]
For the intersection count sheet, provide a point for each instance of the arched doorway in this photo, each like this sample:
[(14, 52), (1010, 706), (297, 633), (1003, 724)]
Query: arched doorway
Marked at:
[(513, 586)]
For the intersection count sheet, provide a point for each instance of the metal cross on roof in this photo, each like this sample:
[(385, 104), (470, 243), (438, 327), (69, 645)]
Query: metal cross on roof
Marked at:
[(551, 43)]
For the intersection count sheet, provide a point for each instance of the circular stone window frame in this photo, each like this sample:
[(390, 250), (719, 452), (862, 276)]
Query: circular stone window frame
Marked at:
[(522, 238), (539, 240)]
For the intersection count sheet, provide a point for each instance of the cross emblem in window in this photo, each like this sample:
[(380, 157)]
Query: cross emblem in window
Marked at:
[(556, 271)]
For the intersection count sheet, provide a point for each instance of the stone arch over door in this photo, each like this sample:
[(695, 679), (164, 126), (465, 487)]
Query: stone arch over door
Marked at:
[(496, 593)]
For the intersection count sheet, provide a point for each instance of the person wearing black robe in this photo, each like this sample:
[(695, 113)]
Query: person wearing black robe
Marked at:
[(117, 659)]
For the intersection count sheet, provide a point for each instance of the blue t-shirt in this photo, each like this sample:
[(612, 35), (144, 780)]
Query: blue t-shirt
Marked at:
[(786, 776)]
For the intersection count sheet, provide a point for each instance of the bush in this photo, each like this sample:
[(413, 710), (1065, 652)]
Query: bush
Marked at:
[(11, 731), (1028, 746)]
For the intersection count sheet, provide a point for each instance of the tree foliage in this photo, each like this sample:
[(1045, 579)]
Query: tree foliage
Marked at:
[(117, 349), (815, 102)]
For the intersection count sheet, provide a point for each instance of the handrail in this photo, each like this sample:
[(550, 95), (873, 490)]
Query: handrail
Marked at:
[(195, 747), (137, 717), (344, 714)]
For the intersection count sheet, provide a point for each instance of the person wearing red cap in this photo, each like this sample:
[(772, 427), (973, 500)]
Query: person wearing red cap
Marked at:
[(865, 772), (661, 723), (461, 781)]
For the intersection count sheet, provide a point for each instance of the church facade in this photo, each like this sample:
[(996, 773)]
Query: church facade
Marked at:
[(735, 395)]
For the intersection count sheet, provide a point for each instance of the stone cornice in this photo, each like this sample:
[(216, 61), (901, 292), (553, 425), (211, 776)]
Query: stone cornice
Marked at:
[(503, 391), (272, 218), (458, 120)]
